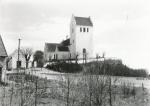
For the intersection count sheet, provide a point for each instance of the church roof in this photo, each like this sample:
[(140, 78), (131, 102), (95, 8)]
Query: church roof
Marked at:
[(2, 48), (66, 42), (50, 47), (63, 48), (85, 21)]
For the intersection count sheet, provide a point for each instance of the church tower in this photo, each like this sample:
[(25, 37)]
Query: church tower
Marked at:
[(81, 36)]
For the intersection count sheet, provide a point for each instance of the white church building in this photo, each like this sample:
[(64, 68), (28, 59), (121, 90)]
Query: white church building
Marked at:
[(79, 44)]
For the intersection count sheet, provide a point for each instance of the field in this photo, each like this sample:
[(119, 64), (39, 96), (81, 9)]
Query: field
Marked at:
[(48, 88)]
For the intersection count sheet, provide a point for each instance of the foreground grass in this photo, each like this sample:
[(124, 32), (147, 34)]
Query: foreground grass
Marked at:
[(70, 91)]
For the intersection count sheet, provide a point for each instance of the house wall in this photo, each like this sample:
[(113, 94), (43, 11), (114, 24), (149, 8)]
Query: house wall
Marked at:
[(15, 59), (2, 59), (12, 64), (2, 66)]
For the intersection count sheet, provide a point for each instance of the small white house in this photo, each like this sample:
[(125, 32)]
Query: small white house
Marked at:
[(13, 59)]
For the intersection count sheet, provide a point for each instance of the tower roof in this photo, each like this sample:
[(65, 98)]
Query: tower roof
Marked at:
[(2, 48), (84, 21)]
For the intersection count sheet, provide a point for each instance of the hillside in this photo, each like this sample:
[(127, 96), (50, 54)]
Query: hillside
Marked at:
[(115, 68)]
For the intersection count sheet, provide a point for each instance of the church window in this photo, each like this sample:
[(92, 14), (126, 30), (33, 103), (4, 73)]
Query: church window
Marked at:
[(72, 30), (87, 29), (80, 29), (83, 29)]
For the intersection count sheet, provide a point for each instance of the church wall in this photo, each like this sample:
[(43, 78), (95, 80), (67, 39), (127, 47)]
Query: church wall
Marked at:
[(48, 55), (84, 40), (73, 38), (63, 55)]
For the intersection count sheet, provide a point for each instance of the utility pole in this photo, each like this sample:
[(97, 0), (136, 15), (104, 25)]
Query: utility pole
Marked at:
[(18, 53), (104, 62), (18, 67), (36, 85)]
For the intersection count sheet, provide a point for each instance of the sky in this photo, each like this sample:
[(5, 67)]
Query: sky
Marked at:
[(121, 27)]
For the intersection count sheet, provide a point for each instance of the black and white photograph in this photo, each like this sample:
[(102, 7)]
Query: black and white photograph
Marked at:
[(74, 53)]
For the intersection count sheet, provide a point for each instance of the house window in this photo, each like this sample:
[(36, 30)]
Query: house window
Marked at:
[(87, 29), (80, 29), (18, 64), (83, 29), (73, 41)]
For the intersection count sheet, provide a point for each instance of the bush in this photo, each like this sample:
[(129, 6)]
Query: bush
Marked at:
[(118, 69), (65, 67)]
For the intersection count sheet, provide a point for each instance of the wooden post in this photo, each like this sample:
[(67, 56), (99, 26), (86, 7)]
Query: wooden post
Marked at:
[(36, 92)]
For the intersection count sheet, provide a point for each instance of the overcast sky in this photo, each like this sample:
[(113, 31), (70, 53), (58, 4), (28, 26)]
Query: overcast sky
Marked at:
[(121, 27)]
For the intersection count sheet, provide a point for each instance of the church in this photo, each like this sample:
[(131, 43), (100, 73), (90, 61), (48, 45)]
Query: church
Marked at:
[(79, 43)]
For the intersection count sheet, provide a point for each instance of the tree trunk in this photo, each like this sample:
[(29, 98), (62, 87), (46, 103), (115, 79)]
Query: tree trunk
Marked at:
[(110, 92), (68, 91), (27, 63)]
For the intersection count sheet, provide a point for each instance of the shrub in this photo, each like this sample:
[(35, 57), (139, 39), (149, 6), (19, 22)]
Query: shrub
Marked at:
[(65, 67), (118, 69)]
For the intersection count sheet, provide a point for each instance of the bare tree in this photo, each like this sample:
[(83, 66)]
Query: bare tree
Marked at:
[(27, 53)]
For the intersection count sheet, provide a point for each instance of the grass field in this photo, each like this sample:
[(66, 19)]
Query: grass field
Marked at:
[(47, 88)]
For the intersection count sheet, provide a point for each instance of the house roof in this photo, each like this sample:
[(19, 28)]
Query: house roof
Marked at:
[(63, 48), (85, 21), (2, 48), (1, 65), (50, 47)]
